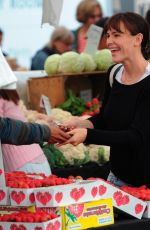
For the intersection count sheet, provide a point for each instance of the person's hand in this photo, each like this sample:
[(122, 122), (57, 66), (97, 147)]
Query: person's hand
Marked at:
[(57, 135), (72, 122), (77, 136), (78, 122)]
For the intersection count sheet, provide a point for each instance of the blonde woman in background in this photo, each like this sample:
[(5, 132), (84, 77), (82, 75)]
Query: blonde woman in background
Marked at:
[(88, 12)]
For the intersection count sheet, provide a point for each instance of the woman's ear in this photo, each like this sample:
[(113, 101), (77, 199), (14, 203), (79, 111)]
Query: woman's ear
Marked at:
[(138, 39)]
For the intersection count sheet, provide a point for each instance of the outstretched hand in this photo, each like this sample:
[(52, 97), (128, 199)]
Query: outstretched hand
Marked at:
[(77, 136), (57, 135)]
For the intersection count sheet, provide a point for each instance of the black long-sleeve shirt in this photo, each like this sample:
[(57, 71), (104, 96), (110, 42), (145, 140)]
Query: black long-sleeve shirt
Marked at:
[(124, 125), (20, 133)]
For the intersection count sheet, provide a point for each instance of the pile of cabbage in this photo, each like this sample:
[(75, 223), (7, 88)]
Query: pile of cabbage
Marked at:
[(73, 62)]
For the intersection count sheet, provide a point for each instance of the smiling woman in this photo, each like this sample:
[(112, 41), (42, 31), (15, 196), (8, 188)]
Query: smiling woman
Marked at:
[(123, 122)]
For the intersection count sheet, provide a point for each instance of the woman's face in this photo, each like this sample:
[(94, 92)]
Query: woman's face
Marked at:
[(95, 16), (122, 44)]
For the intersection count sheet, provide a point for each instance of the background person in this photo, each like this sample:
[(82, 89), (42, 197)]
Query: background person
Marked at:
[(27, 158), (61, 41), (88, 12), (124, 119)]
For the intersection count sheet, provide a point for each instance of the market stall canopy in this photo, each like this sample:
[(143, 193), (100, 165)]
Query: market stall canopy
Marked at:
[(51, 11)]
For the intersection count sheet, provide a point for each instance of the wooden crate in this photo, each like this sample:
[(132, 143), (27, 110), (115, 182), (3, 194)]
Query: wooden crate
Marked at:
[(55, 87)]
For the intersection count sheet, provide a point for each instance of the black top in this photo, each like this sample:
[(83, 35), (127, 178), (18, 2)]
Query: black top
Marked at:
[(124, 124)]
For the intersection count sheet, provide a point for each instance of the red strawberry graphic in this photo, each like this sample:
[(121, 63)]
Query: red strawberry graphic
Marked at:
[(125, 200), (1, 171), (2, 195), (76, 194), (32, 198), (76, 209), (43, 198), (1, 228), (102, 190), (120, 198), (17, 227), (138, 208), (82, 191), (116, 194), (57, 225), (58, 196), (50, 226), (94, 191), (18, 197), (38, 228)]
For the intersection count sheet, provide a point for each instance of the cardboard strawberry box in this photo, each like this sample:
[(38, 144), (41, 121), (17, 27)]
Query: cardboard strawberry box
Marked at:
[(62, 195), (21, 197), (121, 199), (87, 215), (49, 225)]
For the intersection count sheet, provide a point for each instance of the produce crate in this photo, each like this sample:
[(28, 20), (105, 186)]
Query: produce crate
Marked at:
[(55, 87)]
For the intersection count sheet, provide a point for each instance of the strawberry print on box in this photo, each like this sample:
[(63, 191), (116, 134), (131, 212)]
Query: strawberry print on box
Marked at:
[(4, 196), (121, 199), (62, 195), (2, 175), (54, 224), (21, 197)]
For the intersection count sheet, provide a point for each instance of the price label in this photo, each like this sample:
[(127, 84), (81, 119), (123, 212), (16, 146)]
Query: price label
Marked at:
[(45, 103), (93, 37)]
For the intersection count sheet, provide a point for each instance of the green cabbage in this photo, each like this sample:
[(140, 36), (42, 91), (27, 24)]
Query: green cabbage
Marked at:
[(89, 63), (103, 59), (71, 62), (51, 64)]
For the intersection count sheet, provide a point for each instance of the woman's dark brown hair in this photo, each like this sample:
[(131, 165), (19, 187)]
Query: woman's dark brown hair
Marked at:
[(9, 95), (134, 23)]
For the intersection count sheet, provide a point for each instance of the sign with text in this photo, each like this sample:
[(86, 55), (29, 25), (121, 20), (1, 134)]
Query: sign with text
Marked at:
[(45, 103), (93, 37)]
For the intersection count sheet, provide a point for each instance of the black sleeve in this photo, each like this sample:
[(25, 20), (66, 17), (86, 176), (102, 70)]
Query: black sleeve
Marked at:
[(136, 135)]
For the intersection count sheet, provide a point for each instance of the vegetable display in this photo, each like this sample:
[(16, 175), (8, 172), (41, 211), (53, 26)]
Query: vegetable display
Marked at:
[(73, 62)]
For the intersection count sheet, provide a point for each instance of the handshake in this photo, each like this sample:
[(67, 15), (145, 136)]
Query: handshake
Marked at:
[(59, 132), (73, 131)]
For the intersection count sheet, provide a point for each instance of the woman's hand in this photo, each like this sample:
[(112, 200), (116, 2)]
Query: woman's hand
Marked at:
[(78, 122), (78, 136)]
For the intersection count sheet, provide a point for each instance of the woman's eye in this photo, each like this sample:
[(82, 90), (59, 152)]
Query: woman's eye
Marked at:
[(116, 35)]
